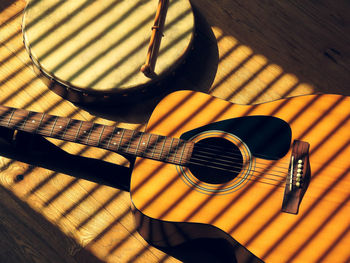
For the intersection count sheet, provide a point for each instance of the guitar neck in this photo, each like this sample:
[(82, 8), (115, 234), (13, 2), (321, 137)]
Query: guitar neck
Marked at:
[(123, 141)]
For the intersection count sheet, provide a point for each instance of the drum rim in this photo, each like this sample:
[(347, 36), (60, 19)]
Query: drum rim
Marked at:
[(86, 92)]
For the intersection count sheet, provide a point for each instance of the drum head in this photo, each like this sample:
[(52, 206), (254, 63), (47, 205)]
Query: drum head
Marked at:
[(98, 47)]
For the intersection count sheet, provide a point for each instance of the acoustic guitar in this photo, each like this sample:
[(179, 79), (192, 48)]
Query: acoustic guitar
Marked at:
[(273, 177)]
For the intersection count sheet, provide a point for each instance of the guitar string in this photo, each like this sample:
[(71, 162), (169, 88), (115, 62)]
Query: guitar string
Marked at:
[(277, 185), (228, 154), (216, 150), (227, 157), (65, 124), (273, 172), (206, 150), (239, 168), (220, 154), (212, 149), (228, 162), (251, 173), (92, 139), (264, 177)]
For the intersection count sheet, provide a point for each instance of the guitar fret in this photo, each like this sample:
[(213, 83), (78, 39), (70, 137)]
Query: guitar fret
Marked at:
[(162, 148), (9, 121), (77, 134), (182, 152), (170, 148), (138, 145), (88, 137), (177, 145), (99, 139), (130, 141), (53, 126), (149, 137), (120, 140), (154, 145), (144, 144), (41, 120), (25, 121), (65, 130), (111, 137), (84, 130)]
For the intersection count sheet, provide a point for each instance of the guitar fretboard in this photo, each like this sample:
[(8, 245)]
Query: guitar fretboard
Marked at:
[(123, 141)]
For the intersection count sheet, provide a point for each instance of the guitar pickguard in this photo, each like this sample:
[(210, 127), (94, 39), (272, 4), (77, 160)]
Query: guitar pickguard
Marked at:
[(267, 137)]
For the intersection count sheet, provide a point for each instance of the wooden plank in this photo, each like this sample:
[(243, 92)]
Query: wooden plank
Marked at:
[(102, 212), (266, 50), (305, 42)]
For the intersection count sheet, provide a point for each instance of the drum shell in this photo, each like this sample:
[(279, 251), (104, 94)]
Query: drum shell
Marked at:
[(81, 94)]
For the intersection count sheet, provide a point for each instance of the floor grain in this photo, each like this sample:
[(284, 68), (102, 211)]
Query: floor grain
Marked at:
[(70, 211)]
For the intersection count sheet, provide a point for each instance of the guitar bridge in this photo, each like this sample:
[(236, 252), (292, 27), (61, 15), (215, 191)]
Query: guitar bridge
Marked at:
[(298, 178)]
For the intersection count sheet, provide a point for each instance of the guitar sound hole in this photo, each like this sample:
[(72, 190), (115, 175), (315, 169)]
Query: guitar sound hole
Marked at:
[(216, 160)]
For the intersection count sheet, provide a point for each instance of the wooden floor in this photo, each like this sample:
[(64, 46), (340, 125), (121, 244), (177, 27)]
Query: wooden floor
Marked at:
[(62, 202)]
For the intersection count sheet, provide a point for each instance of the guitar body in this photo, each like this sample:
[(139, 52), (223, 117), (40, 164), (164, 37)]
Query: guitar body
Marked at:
[(173, 204)]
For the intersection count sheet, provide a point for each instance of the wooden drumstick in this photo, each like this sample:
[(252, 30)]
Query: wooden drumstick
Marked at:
[(154, 44)]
